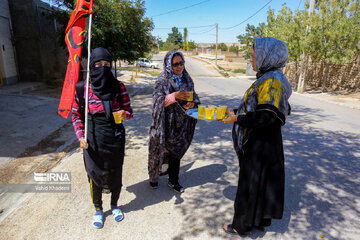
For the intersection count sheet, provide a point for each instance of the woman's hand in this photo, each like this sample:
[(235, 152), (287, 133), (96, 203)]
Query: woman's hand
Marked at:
[(230, 117), (189, 105), (122, 113), (182, 95), (83, 144)]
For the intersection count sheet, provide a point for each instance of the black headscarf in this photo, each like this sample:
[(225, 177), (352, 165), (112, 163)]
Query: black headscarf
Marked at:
[(103, 82)]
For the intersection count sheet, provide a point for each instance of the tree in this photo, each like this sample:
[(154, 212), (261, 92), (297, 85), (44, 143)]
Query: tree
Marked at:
[(174, 38), (330, 34), (221, 46), (334, 33), (234, 49), (190, 45), (118, 25), (248, 38), (288, 28), (169, 46), (185, 38)]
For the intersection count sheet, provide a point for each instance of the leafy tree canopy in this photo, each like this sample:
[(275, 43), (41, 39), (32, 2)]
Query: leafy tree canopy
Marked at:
[(234, 49), (221, 46), (175, 38), (190, 44), (118, 25), (248, 38)]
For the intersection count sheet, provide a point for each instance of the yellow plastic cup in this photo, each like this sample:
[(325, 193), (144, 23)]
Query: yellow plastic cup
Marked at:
[(201, 111), (220, 112), (212, 107), (191, 98), (117, 117), (209, 113)]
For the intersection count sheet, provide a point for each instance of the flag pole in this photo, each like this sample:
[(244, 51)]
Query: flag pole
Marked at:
[(87, 80)]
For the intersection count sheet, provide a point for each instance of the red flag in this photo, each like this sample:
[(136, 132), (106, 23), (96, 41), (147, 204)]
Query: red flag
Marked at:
[(74, 38)]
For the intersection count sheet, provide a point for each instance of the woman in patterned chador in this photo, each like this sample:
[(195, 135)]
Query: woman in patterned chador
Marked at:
[(171, 131)]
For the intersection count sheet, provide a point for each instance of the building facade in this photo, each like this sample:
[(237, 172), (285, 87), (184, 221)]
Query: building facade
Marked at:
[(28, 40), (8, 65)]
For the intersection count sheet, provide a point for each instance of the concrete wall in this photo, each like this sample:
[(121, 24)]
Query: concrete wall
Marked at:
[(40, 58), (8, 68)]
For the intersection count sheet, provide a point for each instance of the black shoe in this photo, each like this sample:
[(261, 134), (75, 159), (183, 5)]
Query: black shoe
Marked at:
[(154, 185), (177, 187)]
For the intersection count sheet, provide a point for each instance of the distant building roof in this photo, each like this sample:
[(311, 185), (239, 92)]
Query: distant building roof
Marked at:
[(208, 45)]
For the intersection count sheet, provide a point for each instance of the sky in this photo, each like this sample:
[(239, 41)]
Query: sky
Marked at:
[(195, 14)]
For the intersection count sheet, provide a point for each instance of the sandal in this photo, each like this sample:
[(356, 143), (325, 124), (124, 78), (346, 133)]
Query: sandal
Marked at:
[(117, 214), (229, 229), (98, 221)]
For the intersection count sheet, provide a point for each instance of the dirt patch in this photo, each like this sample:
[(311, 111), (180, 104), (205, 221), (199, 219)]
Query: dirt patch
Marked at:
[(226, 68), (230, 67), (41, 157)]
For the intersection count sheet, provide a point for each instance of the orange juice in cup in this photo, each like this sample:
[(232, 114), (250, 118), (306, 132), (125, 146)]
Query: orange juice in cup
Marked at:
[(117, 117), (212, 107), (191, 96), (209, 113), (201, 111), (220, 112)]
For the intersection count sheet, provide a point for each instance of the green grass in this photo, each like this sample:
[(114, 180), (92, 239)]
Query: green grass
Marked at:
[(239, 70), (221, 68), (132, 79), (153, 73), (127, 68), (225, 74)]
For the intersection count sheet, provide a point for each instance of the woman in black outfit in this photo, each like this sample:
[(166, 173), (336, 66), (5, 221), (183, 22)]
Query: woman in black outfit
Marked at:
[(258, 140)]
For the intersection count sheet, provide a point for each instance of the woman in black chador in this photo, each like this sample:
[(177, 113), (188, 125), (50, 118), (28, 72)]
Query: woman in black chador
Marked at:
[(105, 147), (258, 140), (171, 130)]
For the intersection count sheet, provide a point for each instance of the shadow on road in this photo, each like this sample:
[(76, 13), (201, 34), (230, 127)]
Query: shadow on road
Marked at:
[(146, 196), (322, 173), (321, 185), (322, 177)]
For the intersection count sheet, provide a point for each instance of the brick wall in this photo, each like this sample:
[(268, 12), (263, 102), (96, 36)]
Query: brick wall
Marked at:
[(341, 77)]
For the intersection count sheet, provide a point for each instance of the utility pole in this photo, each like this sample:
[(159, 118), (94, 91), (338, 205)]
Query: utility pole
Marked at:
[(187, 46), (158, 39), (186, 41), (301, 81), (216, 44)]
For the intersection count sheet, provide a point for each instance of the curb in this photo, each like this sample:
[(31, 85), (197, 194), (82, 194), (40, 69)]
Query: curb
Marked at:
[(327, 101), (211, 63), (21, 90)]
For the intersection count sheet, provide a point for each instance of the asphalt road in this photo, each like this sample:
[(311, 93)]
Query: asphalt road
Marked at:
[(322, 195), (322, 151)]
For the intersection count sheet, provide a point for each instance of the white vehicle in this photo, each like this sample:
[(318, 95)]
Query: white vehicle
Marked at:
[(143, 62)]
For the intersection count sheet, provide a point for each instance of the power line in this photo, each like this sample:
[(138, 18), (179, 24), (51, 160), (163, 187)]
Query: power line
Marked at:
[(180, 9), (248, 17), (299, 4), (188, 27), (206, 31)]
